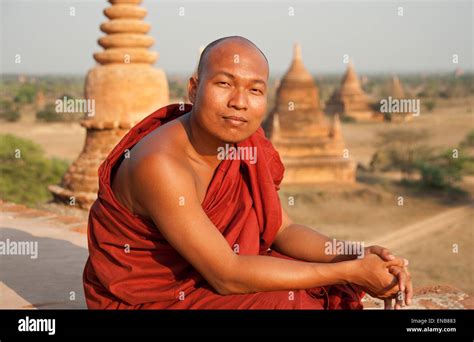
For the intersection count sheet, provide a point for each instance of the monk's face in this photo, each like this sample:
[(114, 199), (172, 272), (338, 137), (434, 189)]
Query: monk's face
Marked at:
[(230, 96)]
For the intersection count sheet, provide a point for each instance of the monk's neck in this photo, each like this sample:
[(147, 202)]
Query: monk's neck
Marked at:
[(204, 145)]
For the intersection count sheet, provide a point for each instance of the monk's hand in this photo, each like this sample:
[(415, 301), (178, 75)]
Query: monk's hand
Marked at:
[(374, 277), (405, 294)]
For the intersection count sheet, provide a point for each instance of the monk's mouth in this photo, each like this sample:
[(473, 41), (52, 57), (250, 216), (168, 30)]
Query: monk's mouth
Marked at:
[(235, 120)]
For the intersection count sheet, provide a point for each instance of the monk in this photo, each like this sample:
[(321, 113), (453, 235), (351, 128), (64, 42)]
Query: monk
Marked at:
[(188, 214)]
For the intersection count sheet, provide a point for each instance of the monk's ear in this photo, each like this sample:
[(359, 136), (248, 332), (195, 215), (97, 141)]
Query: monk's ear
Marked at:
[(192, 88)]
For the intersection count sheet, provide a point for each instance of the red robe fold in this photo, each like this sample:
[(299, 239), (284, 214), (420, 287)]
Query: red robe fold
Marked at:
[(131, 265)]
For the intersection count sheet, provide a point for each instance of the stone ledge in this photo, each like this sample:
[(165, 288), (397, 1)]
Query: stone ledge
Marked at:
[(59, 220), (439, 297)]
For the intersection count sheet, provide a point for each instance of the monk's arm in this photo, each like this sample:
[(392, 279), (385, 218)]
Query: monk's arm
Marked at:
[(304, 243), (165, 189)]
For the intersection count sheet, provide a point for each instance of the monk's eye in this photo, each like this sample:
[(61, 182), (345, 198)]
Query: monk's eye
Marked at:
[(256, 91), (224, 84)]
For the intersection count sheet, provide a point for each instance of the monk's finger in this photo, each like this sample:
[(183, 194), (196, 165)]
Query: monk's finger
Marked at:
[(409, 291), (405, 261), (391, 289), (382, 252), (388, 304), (386, 254), (399, 300), (401, 275), (395, 262)]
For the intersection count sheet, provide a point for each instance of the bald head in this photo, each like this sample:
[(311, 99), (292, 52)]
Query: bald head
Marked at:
[(229, 92), (237, 42)]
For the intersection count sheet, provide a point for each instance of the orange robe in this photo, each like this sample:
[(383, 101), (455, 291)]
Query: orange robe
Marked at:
[(132, 266)]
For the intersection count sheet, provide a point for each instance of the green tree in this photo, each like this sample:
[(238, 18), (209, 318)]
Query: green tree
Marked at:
[(8, 111), (441, 170), (408, 152), (49, 114), (25, 172), (399, 150), (25, 94)]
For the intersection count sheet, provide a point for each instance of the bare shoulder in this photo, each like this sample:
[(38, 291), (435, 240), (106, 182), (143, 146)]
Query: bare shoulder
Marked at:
[(159, 170)]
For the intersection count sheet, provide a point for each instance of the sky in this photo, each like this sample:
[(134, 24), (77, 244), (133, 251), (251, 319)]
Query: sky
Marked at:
[(372, 33)]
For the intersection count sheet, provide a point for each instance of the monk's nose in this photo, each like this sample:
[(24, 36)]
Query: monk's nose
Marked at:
[(238, 99)]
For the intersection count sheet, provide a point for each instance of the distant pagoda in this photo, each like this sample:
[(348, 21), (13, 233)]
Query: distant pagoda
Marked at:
[(311, 149), (350, 100)]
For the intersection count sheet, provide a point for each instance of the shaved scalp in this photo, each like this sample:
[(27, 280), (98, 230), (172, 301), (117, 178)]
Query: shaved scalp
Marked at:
[(205, 53)]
